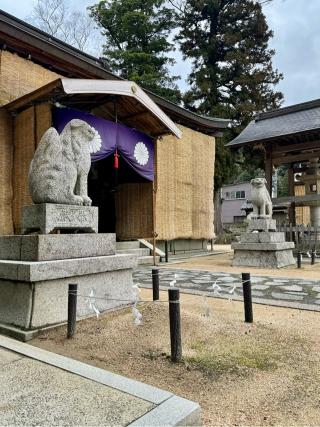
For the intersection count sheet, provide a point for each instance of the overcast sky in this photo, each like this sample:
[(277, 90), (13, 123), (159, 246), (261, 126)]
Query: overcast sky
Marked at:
[(296, 41)]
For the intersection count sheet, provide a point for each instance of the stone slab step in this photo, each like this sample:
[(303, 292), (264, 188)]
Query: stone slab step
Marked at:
[(147, 260), (135, 251), (133, 244)]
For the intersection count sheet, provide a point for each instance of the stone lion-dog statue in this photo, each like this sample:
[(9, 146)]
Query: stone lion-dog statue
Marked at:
[(59, 170), (262, 205)]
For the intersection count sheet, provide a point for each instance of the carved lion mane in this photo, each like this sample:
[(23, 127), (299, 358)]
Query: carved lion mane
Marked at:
[(60, 166)]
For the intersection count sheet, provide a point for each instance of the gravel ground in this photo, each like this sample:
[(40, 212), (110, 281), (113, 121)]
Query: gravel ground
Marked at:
[(265, 373)]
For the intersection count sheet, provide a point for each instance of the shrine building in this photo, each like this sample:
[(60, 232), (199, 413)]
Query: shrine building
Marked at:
[(153, 178)]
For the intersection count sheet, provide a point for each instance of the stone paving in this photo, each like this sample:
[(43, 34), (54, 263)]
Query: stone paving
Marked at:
[(282, 291), (40, 388)]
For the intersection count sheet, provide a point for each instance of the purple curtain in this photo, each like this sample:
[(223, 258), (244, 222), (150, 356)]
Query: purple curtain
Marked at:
[(134, 147)]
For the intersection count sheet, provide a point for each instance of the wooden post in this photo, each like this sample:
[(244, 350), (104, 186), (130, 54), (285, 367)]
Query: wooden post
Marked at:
[(72, 310), (292, 209), (155, 284), (175, 324), (247, 299), (268, 171), (154, 203)]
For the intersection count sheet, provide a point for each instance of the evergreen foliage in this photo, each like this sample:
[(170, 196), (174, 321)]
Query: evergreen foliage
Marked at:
[(137, 42), (232, 74)]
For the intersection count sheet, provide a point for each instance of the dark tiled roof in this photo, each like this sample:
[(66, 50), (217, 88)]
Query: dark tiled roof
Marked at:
[(291, 120)]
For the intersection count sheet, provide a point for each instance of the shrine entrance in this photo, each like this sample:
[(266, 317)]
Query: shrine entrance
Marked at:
[(105, 188)]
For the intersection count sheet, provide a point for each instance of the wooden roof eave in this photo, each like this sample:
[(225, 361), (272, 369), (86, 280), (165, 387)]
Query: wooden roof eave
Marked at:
[(63, 88)]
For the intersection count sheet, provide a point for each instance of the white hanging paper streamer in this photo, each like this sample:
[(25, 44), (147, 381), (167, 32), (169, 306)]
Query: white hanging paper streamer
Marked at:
[(206, 307), (136, 291), (173, 282), (137, 316), (216, 288), (231, 292), (92, 303)]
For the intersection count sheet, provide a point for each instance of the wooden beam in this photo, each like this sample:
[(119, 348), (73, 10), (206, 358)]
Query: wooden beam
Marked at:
[(280, 149), (295, 158), (298, 200)]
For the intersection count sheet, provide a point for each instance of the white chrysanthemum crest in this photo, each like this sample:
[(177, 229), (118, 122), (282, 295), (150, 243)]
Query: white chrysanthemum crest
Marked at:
[(141, 153), (95, 143)]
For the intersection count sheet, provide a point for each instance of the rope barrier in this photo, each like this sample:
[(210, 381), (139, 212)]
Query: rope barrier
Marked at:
[(92, 297)]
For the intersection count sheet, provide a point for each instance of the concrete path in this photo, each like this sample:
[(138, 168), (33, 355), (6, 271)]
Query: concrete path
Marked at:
[(42, 388), (273, 290)]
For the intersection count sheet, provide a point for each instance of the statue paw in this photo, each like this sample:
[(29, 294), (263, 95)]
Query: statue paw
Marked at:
[(86, 201), (77, 200)]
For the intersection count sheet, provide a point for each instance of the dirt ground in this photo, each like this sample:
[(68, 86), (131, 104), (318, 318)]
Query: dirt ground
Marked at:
[(265, 373), (222, 263)]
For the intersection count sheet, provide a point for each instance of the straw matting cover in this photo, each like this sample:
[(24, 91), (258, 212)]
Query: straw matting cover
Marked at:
[(185, 169), (24, 147), (6, 147), (302, 212), (19, 76), (134, 211), (43, 120)]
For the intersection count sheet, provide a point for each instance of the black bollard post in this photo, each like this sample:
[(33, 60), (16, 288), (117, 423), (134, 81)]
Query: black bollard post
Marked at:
[(72, 310), (247, 299), (166, 251), (175, 324), (299, 258), (313, 257), (155, 284)]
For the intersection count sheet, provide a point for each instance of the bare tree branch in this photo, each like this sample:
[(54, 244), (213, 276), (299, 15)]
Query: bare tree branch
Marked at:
[(74, 27)]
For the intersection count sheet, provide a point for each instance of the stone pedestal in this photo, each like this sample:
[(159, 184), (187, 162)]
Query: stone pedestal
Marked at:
[(47, 217), (34, 295), (265, 249), (35, 272)]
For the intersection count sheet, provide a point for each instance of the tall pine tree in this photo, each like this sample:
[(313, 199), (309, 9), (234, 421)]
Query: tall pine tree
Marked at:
[(232, 74), (137, 42)]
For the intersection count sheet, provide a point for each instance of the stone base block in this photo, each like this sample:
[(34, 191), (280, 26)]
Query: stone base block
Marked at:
[(263, 237), (262, 224), (34, 295), (47, 217), (263, 259), (47, 247), (258, 247)]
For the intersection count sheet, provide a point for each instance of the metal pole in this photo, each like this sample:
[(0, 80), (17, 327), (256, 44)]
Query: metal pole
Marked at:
[(166, 250), (175, 324), (299, 257), (155, 284), (247, 299), (72, 310)]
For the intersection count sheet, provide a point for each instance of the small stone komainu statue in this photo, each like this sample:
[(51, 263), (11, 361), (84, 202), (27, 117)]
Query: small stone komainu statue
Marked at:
[(60, 166), (262, 205)]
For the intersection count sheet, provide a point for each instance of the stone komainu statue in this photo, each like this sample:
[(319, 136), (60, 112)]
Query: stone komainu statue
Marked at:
[(262, 205), (60, 166)]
